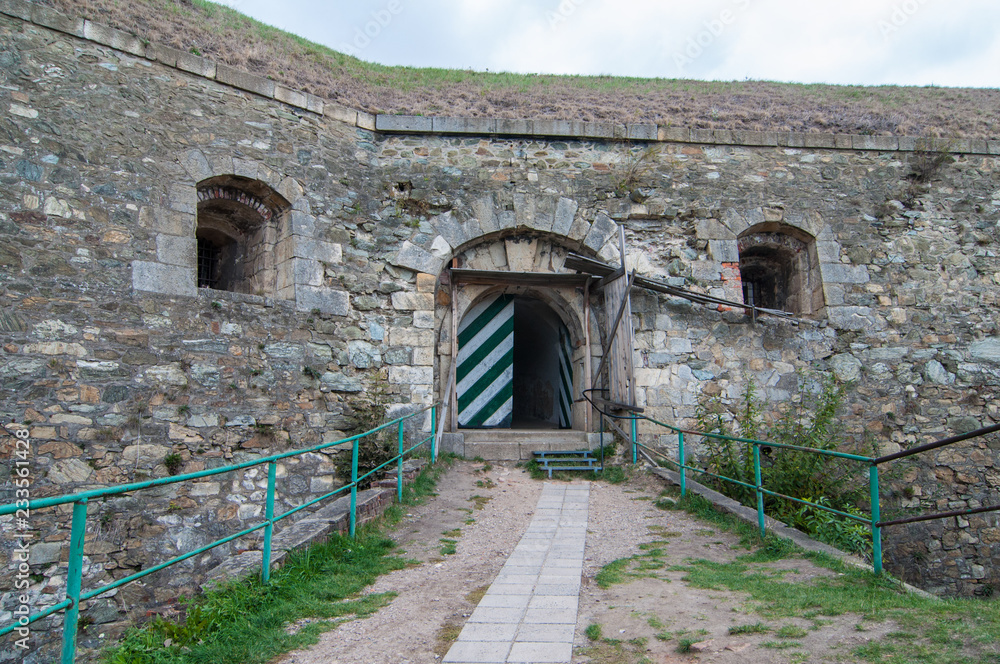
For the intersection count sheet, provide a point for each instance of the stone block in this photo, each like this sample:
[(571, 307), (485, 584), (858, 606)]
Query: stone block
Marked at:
[(315, 104), (722, 137), (174, 250), (724, 251), (521, 253), (702, 136), (449, 228), (244, 81), (341, 113), (846, 367), (204, 488), (559, 128), (853, 318), (790, 139), (843, 141), (307, 272), (712, 229), (762, 138), (641, 132), (602, 230), (565, 213), (986, 350), (50, 18), (195, 64), (366, 121), (290, 97), (17, 8), (506, 127), (167, 279), (403, 123), (811, 140), (404, 301), (464, 125), (44, 553), (603, 130), (116, 39), (70, 471), (410, 337), (196, 165), (426, 283), (875, 142), (506, 219), (317, 250), (674, 134), (417, 259), (338, 382), (840, 273), (404, 375), (828, 252), (327, 300)]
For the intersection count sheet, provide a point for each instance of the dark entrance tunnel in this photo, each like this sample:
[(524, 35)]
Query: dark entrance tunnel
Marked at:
[(536, 365)]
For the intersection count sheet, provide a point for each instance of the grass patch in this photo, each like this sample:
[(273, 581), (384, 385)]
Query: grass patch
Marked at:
[(790, 632), (753, 628), (781, 645), (938, 631), (475, 596), (612, 573), (445, 637), (593, 632), (248, 622), (448, 546), (479, 502)]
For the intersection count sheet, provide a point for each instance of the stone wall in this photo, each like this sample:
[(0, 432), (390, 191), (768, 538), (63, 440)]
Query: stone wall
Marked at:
[(116, 360)]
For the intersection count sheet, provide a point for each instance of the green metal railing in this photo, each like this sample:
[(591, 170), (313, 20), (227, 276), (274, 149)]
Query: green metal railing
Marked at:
[(874, 523), (80, 501)]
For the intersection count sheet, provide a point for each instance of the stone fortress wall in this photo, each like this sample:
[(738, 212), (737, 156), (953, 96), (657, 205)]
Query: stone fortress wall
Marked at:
[(114, 153)]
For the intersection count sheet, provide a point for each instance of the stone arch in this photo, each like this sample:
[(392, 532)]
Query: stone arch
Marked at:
[(779, 268), (241, 231)]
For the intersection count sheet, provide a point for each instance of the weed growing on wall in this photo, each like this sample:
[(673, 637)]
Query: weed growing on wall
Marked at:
[(377, 448), (811, 421)]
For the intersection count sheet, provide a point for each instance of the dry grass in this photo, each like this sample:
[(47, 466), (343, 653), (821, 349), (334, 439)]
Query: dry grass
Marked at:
[(226, 36)]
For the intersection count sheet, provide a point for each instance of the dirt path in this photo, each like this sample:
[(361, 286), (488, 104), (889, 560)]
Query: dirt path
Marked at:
[(486, 511)]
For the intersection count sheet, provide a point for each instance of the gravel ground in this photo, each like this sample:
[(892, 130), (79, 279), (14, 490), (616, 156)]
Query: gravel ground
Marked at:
[(490, 506)]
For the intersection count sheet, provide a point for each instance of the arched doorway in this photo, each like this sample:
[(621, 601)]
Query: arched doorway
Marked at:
[(514, 365)]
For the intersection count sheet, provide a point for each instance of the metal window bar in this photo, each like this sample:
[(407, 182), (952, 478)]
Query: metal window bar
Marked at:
[(208, 264), (80, 501)]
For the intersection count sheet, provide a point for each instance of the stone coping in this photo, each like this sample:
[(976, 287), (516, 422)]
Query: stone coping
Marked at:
[(491, 127)]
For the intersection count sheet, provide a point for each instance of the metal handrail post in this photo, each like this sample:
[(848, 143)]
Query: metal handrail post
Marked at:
[(74, 581), (876, 517), (634, 440), (434, 448), (680, 462), (760, 486), (399, 466), (354, 488), (265, 567)]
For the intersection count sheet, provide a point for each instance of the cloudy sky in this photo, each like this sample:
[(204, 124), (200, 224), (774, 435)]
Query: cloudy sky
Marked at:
[(870, 42)]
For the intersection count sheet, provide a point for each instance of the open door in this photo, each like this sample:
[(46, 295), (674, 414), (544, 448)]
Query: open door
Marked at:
[(485, 369)]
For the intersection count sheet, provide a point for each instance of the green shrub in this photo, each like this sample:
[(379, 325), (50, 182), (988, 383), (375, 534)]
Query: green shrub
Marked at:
[(813, 421)]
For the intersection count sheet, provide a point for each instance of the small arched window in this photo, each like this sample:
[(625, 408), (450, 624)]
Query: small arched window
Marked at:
[(237, 234), (779, 269)]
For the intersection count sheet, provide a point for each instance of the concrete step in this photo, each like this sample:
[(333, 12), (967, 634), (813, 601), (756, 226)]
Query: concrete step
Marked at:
[(518, 444)]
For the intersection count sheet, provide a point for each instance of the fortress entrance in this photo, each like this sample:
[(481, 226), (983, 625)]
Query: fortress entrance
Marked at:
[(514, 365)]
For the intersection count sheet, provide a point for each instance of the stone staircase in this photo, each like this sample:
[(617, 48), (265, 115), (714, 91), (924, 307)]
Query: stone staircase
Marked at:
[(517, 444)]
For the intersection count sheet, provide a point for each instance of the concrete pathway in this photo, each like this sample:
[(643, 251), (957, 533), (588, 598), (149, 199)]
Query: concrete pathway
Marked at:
[(528, 615)]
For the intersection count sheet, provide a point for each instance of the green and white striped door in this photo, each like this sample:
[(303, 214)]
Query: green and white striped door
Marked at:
[(565, 400), (485, 371)]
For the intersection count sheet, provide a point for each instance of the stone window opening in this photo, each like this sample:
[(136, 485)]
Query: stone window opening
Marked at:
[(238, 235), (779, 269)]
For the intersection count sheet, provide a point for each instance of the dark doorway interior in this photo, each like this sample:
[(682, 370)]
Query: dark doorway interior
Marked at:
[(536, 365)]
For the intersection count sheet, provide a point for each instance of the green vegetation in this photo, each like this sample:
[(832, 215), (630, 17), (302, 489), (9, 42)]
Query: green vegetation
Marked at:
[(247, 621), (938, 631), (593, 632), (811, 421)]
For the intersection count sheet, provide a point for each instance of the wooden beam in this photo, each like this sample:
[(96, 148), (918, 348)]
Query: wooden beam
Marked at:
[(614, 328), (604, 281), (497, 277)]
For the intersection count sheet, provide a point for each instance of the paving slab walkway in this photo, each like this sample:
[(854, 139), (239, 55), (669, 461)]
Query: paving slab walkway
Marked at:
[(528, 615)]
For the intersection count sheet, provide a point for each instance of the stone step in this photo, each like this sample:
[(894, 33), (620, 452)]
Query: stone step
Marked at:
[(519, 444)]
